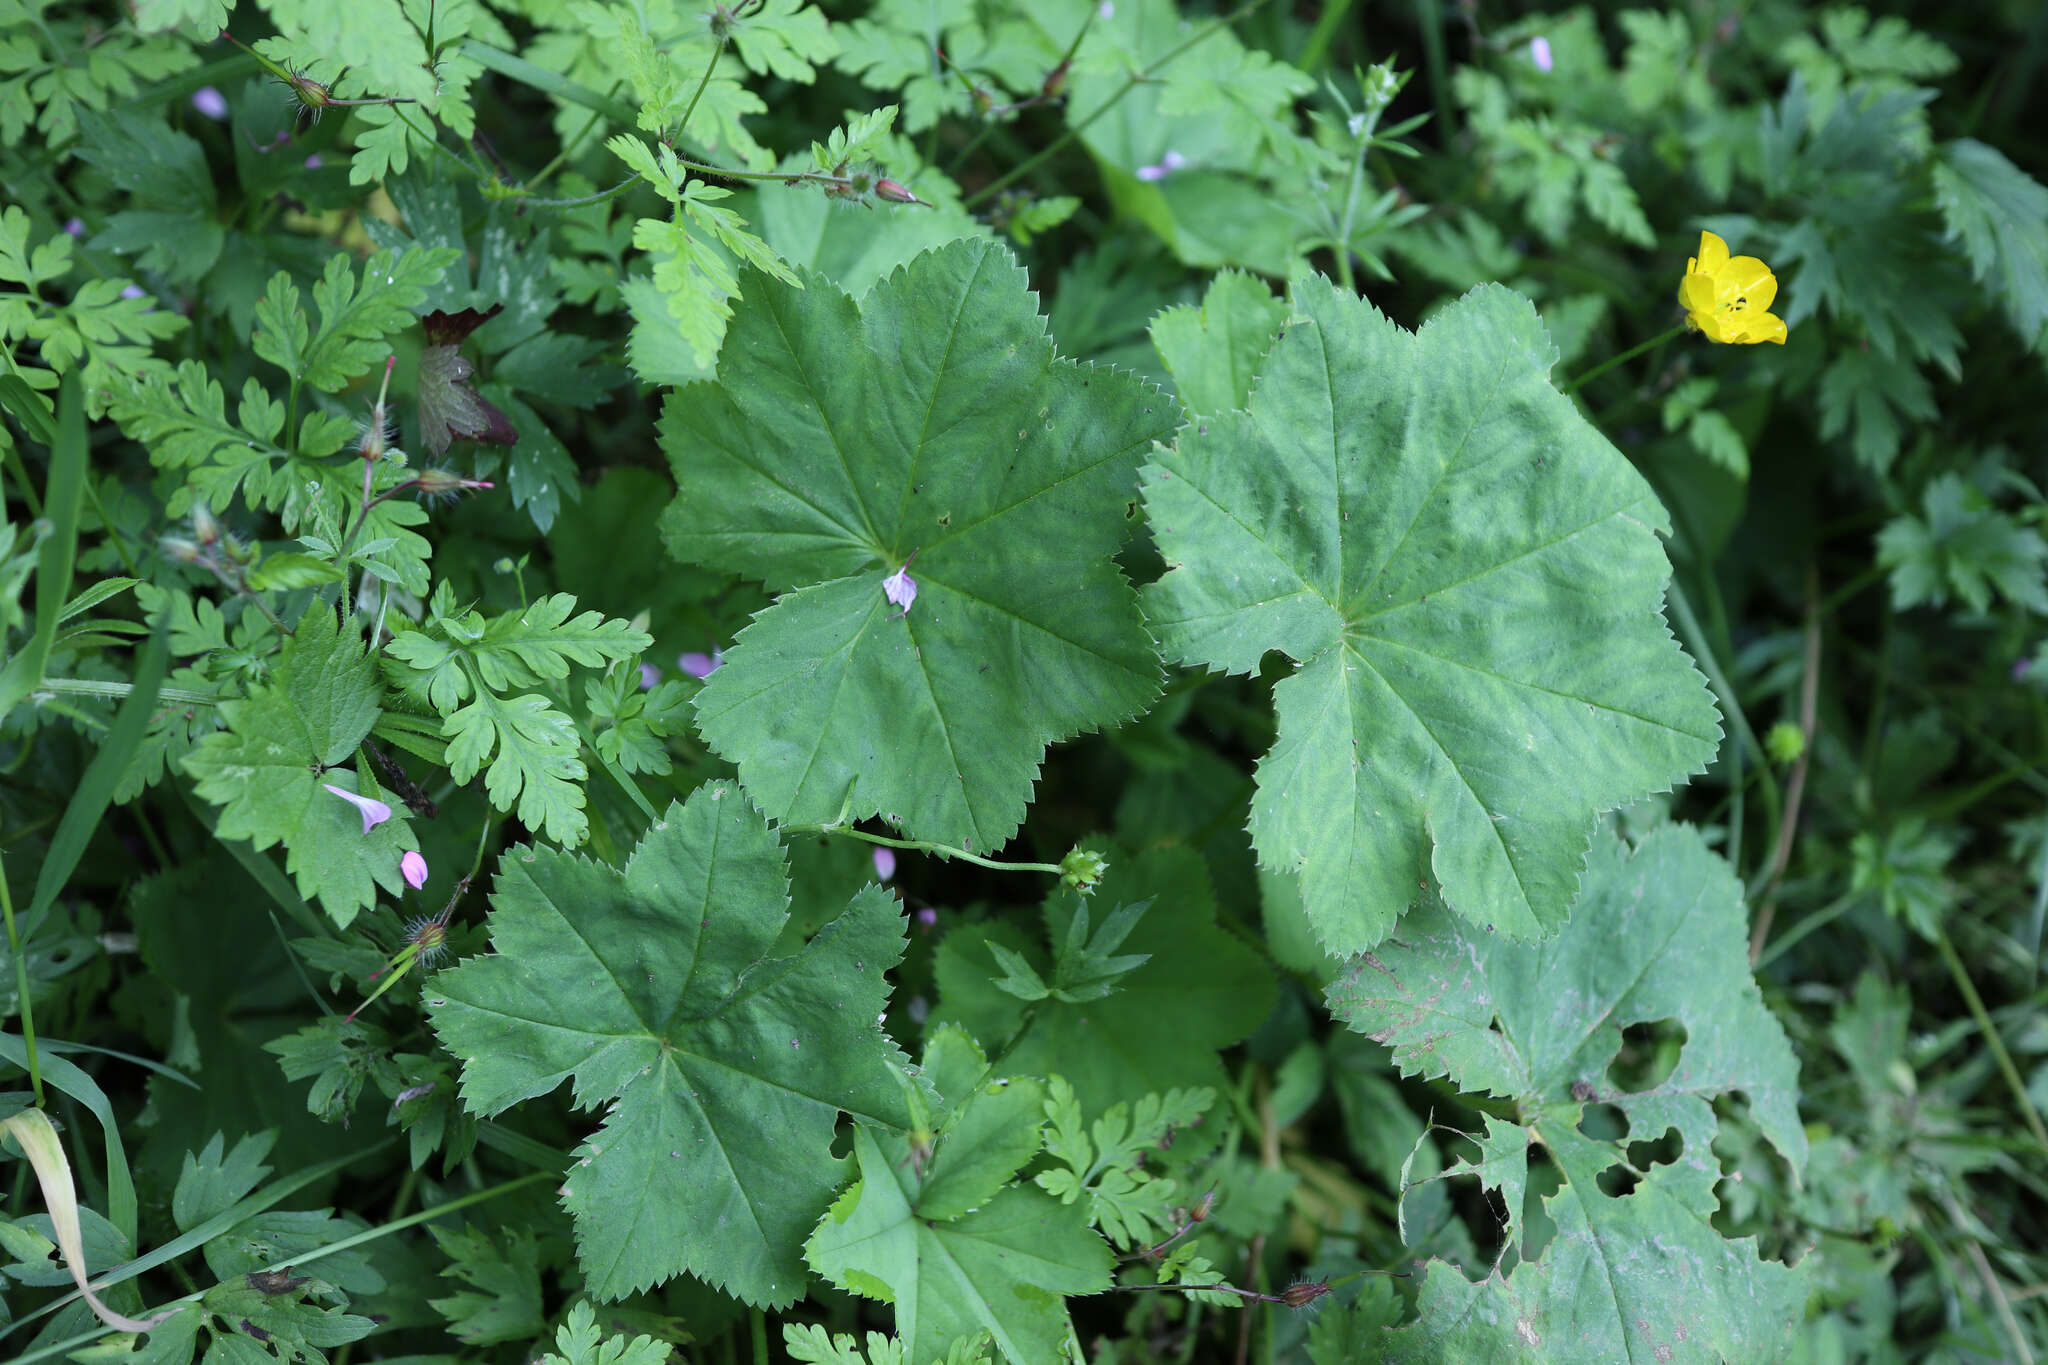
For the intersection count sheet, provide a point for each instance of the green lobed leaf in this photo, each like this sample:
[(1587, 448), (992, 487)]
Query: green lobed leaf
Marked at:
[(354, 316), (1003, 1268), (1660, 933), (722, 1072), (931, 424), (580, 1341), (1214, 351), (283, 746), (1469, 578), (503, 1300), (1161, 1025), (2000, 215)]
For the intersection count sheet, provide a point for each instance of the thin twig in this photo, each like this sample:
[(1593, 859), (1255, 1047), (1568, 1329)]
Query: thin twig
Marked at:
[(1788, 825), (1137, 78)]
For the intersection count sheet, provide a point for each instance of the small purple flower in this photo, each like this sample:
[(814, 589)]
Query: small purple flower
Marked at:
[(1167, 165), (885, 863), (2020, 668), (375, 812), (134, 291), (700, 666), (1539, 53), (901, 588), (927, 918), (413, 868), (313, 162), (650, 675), (210, 102), (75, 226)]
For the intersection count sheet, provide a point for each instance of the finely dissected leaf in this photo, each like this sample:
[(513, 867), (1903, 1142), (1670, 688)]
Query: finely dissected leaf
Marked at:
[(503, 1302), (930, 425), (1199, 990), (1214, 351), (1002, 1268), (269, 769), (354, 316), (1659, 934), (1468, 575), (1963, 544), (2000, 214), (580, 1341), (471, 670), (722, 1072)]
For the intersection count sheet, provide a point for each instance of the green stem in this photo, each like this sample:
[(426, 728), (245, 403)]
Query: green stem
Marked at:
[(757, 1326), (1137, 78), (1317, 49), (92, 687), (1696, 640), (583, 201), (28, 1019), (1342, 245), (921, 846), (704, 80), (569, 147), (1630, 354), (1991, 1035)]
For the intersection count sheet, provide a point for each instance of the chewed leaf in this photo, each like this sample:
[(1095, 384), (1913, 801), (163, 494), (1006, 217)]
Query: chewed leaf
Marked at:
[(1659, 934), (1469, 576)]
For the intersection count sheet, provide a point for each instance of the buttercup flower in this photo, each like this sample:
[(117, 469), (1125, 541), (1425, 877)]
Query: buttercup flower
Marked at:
[(1727, 299), (375, 812)]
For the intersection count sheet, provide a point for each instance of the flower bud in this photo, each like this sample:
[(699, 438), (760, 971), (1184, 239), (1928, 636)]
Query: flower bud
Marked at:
[(1083, 868), (205, 529), (896, 194), (446, 483), (1304, 1294)]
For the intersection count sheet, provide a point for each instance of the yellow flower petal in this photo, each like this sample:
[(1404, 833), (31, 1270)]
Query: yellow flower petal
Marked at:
[(1752, 281), (1713, 255), (1697, 293), (1765, 327)]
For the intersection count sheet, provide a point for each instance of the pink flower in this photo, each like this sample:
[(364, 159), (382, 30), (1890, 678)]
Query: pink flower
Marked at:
[(375, 812), (650, 675), (700, 665), (313, 162), (885, 863), (413, 868), (900, 588), (927, 918), (75, 226), (210, 102), (1539, 53), (1167, 165)]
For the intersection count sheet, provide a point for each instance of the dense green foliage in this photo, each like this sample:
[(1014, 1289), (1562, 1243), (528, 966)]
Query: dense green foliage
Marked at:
[(967, 681)]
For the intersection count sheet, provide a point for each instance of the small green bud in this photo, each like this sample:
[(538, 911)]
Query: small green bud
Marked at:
[(1785, 743), (1083, 868)]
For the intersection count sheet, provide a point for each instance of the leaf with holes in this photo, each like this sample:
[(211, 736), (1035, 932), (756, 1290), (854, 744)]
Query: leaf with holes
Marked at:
[(928, 431), (1470, 579), (1660, 933)]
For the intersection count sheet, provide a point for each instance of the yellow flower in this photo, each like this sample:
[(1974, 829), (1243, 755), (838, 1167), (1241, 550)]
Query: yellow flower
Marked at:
[(1728, 298)]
